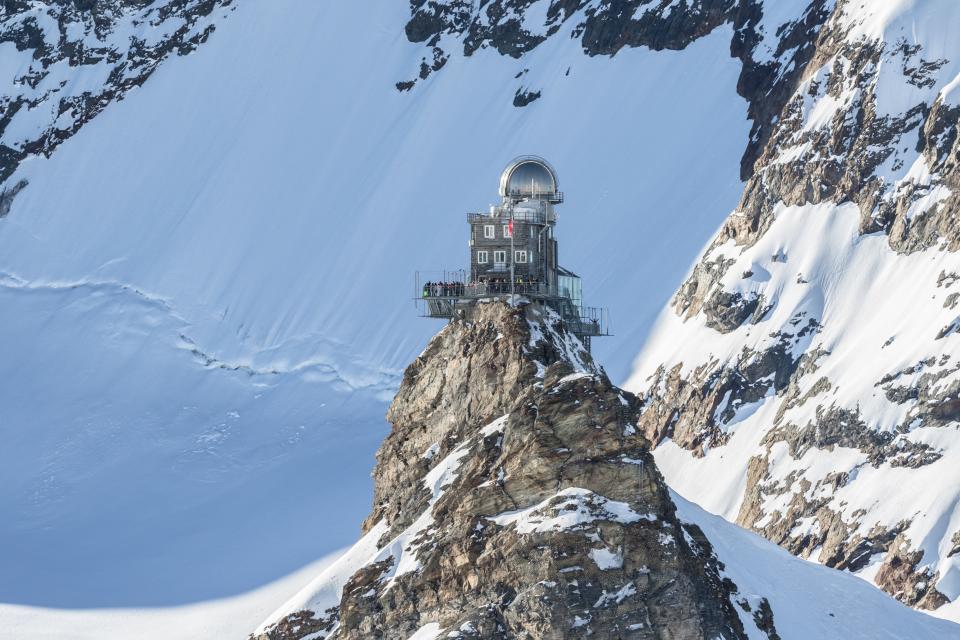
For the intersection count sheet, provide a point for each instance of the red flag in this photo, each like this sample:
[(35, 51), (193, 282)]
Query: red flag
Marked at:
[(511, 227)]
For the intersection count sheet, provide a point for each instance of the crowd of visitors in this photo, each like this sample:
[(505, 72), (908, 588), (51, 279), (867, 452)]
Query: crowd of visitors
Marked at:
[(484, 286), (443, 289)]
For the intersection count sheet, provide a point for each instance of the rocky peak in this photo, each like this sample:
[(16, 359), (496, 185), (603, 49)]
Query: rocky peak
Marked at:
[(515, 498)]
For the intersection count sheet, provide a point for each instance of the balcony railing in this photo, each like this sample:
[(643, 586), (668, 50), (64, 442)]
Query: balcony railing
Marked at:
[(552, 196), (501, 217), (442, 294), (454, 287)]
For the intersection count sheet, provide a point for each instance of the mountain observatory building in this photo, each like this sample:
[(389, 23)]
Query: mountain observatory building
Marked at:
[(514, 252)]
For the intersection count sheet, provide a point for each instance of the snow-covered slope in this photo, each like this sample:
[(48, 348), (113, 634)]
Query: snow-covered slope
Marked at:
[(277, 199), (206, 287), (810, 601), (132, 462), (807, 367), (227, 618)]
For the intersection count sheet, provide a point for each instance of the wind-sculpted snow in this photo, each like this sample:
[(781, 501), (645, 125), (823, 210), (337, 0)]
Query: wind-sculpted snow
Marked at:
[(103, 489)]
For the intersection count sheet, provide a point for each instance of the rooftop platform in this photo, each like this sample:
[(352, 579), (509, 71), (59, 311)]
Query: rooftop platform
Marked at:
[(449, 295)]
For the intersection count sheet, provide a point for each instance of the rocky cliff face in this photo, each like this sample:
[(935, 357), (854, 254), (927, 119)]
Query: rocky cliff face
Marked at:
[(515, 498)]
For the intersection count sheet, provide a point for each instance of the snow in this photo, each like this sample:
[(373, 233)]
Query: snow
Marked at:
[(573, 377), (127, 455), (580, 622), (606, 559), (497, 426), (927, 202), (428, 631), (617, 597), (323, 592), (932, 25), (284, 178), (808, 600), (569, 508), (232, 617), (774, 16)]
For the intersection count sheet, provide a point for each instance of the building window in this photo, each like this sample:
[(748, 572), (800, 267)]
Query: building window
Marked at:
[(499, 257), (482, 257), (506, 231), (520, 256), (489, 231)]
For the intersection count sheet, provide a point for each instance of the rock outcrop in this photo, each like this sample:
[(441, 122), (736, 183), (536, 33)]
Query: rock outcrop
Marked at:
[(515, 498)]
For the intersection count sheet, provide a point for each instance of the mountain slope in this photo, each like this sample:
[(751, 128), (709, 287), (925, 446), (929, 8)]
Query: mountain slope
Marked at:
[(807, 364)]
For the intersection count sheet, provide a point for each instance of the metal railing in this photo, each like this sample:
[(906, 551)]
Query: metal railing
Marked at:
[(533, 217), (552, 196), (453, 284), (443, 290)]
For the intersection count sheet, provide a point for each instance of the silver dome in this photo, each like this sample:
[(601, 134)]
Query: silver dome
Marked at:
[(530, 177)]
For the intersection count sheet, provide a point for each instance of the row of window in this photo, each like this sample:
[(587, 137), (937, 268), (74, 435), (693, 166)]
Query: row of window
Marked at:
[(490, 231), (500, 257)]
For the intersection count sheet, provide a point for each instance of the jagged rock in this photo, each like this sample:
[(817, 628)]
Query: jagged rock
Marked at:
[(955, 549), (901, 576), (7, 196), (693, 410), (515, 498), (523, 97)]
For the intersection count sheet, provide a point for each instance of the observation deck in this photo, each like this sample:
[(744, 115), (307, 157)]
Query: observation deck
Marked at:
[(447, 294)]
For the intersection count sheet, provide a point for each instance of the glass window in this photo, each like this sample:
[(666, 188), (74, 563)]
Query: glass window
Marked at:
[(570, 287), (500, 256), (482, 257), (506, 231), (489, 231), (520, 256)]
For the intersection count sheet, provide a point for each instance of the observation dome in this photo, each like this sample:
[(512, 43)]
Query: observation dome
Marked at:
[(530, 177)]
